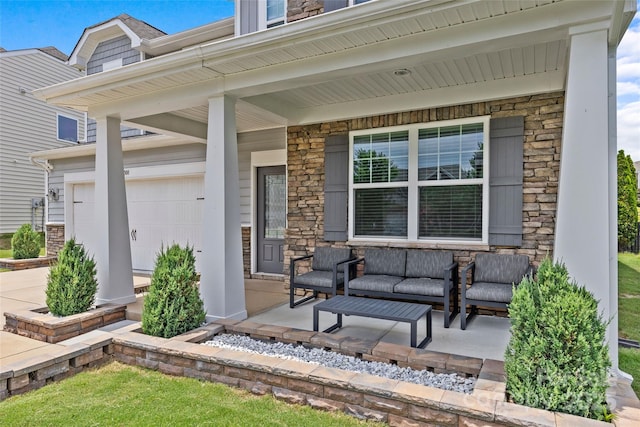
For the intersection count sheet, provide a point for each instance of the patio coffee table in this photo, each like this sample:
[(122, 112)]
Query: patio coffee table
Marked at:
[(376, 308)]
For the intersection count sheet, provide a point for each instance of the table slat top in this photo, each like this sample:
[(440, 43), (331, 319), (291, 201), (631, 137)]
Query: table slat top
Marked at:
[(359, 306)]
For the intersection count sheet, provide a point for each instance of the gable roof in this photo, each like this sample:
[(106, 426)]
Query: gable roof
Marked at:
[(49, 50), (140, 28), (122, 24)]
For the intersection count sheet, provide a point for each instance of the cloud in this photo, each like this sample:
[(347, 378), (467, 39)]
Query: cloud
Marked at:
[(628, 88), (629, 129)]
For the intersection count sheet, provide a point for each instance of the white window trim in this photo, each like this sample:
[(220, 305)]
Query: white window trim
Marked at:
[(58, 115), (262, 16), (413, 184)]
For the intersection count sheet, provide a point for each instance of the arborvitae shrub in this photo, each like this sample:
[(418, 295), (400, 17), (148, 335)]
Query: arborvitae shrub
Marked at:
[(25, 243), (72, 283), (557, 358), (173, 305)]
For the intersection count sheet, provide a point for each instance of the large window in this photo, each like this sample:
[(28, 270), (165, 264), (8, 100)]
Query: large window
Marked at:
[(420, 182), (67, 129)]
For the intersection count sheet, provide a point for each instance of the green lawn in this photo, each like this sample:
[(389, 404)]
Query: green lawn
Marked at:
[(6, 253), (5, 245), (629, 313), (118, 395)]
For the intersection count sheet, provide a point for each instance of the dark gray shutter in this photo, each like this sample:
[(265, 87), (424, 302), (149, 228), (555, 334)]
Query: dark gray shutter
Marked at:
[(336, 187), (505, 181), (330, 5), (248, 16)]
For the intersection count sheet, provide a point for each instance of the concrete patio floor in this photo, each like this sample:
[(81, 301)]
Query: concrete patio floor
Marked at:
[(267, 302)]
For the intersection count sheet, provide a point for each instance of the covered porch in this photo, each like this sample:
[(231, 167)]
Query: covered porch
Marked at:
[(267, 304), (351, 65)]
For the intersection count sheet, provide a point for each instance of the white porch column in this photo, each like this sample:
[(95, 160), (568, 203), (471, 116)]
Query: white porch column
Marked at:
[(586, 228), (222, 276), (113, 249)]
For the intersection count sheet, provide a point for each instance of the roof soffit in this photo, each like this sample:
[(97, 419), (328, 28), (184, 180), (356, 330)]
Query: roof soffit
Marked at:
[(302, 54)]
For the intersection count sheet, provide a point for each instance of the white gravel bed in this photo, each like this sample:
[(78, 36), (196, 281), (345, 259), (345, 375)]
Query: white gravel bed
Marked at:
[(335, 360)]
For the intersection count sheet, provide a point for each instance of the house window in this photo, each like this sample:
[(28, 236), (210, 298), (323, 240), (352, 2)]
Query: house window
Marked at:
[(420, 182), (275, 12), (67, 129)]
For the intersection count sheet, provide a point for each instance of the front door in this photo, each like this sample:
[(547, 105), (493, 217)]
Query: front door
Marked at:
[(271, 218)]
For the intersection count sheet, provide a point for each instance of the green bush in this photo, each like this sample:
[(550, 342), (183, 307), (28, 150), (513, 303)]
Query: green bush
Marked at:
[(173, 305), (72, 283), (25, 243), (556, 358)]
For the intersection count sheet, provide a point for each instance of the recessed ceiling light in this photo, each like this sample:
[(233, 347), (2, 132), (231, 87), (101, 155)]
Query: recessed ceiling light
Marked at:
[(402, 72)]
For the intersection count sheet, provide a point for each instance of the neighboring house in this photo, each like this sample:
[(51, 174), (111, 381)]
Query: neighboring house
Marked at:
[(470, 126), (28, 124)]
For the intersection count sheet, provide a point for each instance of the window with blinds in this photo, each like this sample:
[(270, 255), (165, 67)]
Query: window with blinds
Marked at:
[(275, 12), (420, 182)]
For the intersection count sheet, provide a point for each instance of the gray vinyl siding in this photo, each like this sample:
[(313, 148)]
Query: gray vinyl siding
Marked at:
[(56, 180), (273, 139), (110, 50), (264, 140), (248, 16), (27, 125), (107, 51), (125, 132)]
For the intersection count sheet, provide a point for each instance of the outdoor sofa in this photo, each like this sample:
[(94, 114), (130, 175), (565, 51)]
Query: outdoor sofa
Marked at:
[(411, 275), (326, 275), (493, 277)]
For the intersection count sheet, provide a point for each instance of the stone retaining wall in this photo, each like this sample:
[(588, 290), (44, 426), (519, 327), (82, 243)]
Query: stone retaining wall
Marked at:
[(60, 362), (24, 264), (39, 325), (360, 395)]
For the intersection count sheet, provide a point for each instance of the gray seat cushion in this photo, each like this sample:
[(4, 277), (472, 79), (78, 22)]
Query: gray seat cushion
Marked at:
[(499, 268), (428, 263), (389, 262), (421, 286), (486, 291), (374, 282), (318, 278), (324, 257)]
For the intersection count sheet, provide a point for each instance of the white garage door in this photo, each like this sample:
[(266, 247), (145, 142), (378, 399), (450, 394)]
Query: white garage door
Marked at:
[(161, 212)]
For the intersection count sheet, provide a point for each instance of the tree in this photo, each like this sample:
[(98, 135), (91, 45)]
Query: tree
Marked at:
[(627, 195)]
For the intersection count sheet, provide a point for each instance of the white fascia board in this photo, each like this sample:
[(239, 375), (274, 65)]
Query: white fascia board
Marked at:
[(215, 31), (479, 92), (139, 143)]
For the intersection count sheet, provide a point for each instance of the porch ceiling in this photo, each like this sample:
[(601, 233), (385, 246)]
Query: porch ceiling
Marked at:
[(333, 65)]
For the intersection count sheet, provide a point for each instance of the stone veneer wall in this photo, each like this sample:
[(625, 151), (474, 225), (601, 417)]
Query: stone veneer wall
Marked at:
[(543, 131), (54, 238), (301, 9), (246, 251)]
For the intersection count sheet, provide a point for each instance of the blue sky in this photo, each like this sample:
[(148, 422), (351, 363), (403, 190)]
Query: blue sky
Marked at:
[(27, 24)]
